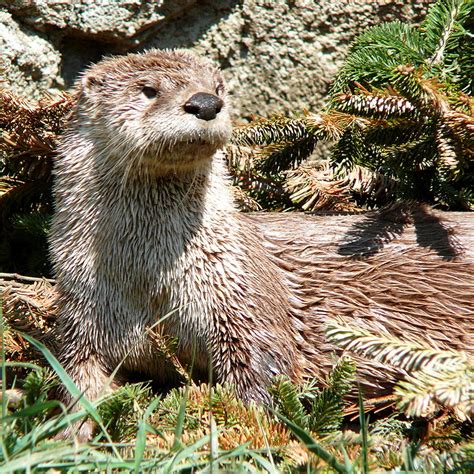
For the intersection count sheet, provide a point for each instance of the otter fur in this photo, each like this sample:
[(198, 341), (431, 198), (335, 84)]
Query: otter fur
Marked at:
[(146, 230)]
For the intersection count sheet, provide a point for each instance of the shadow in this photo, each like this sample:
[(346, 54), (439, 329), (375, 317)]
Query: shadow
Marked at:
[(435, 235), (179, 30), (79, 53), (368, 237)]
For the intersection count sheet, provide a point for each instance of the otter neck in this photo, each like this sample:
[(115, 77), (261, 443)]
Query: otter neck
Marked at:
[(201, 197)]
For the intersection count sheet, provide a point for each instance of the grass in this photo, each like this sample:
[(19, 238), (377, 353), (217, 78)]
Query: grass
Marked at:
[(198, 428)]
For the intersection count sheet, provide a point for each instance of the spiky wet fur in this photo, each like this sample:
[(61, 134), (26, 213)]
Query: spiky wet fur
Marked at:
[(139, 235), (146, 228)]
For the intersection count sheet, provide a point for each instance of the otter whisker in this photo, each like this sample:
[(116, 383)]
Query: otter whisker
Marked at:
[(146, 225)]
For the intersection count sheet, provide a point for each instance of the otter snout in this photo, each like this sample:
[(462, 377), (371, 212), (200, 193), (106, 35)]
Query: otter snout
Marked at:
[(204, 106)]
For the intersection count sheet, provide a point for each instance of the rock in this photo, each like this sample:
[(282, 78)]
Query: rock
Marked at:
[(30, 64), (109, 20), (277, 56)]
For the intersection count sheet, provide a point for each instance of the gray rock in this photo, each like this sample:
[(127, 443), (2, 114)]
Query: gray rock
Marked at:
[(107, 20), (30, 64), (277, 56)]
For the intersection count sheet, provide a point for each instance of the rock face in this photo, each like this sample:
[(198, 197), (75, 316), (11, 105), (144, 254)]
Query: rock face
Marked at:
[(276, 55), (30, 63), (107, 20)]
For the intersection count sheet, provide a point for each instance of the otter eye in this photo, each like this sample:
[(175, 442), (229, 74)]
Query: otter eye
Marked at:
[(219, 88), (149, 92)]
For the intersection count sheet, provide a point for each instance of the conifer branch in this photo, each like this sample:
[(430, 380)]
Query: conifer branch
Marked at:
[(434, 377), (386, 349), (443, 27), (277, 128), (376, 106), (317, 186)]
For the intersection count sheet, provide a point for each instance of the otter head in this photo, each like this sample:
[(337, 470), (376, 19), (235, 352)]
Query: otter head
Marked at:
[(166, 110)]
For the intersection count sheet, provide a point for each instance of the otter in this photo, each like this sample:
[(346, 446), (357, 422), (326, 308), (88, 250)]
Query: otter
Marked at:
[(145, 231)]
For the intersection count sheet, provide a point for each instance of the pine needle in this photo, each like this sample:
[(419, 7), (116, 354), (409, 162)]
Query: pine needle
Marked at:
[(435, 378)]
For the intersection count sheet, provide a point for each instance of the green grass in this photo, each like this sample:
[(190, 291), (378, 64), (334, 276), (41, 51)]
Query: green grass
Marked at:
[(203, 429)]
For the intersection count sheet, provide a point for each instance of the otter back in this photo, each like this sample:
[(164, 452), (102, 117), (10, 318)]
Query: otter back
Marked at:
[(146, 235)]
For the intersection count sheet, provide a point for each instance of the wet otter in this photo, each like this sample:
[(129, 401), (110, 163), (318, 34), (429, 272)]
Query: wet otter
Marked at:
[(145, 227)]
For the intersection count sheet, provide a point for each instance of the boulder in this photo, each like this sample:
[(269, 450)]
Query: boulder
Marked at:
[(29, 63), (277, 56)]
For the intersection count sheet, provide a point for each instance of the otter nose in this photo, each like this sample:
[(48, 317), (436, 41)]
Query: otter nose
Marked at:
[(204, 106)]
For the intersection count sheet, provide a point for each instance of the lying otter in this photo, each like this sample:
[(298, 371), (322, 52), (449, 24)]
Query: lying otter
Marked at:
[(146, 228)]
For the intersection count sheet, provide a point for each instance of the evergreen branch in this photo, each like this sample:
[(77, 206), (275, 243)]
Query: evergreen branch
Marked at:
[(166, 347), (277, 128), (376, 106), (371, 187), (342, 377), (425, 94), (124, 408), (435, 377), (386, 349), (456, 459), (325, 411), (239, 158), (439, 52), (412, 166), (352, 149), (267, 191), (405, 155), (280, 129), (330, 125), (462, 65), (327, 408), (443, 27), (244, 201), (398, 132), (422, 393), (28, 139), (447, 156), (281, 156), (29, 125), (315, 187), (288, 399), (462, 125), (376, 53)]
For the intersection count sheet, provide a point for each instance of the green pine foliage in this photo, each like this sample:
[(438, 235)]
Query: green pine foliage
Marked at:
[(124, 408), (38, 384), (327, 408), (435, 378), (320, 411), (405, 113)]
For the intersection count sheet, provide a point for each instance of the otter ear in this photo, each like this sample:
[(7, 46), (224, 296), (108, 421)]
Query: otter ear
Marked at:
[(91, 82)]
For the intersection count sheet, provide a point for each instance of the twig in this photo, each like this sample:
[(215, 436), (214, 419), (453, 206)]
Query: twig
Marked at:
[(16, 276)]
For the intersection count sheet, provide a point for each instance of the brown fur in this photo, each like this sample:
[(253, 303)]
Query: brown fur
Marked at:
[(407, 272), (146, 228)]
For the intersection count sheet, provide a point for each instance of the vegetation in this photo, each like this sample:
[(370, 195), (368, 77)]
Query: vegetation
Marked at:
[(27, 144), (202, 428), (399, 120)]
